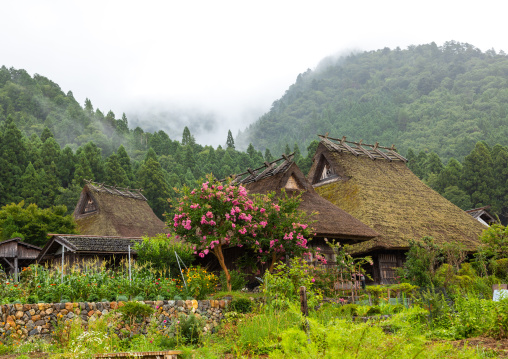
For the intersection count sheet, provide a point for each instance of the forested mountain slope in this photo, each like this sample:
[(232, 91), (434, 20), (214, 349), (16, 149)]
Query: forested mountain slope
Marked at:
[(436, 99)]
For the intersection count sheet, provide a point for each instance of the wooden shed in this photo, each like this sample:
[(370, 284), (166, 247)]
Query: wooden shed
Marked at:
[(374, 185), (16, 254), (76, 248), (119, 212)]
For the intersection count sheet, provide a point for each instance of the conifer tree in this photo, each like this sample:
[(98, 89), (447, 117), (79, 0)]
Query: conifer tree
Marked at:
[(50, 185), (500, 163), (125, 162), (433, 164), (268, 155), (287, 150), (83, 171), (93, 156), (50, 152), (187, 138), (298, 154), (66, 166), (13, 161), (114, 174), (31, 185), (449, 176), (88, 107), (33, 149), (46, 133), (230, 142), (152, 179), (477, 176)]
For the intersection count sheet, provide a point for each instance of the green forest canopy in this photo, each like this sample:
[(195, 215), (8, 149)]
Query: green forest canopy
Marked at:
[(441, 99)]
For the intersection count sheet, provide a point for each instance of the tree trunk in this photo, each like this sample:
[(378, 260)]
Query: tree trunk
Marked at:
[(274, 260), (217, 250)]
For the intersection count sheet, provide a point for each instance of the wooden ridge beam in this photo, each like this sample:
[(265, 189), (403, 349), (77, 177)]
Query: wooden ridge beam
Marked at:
[(402, 158)]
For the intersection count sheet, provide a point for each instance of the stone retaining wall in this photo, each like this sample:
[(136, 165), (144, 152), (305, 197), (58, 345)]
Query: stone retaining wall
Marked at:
[(21, 321)]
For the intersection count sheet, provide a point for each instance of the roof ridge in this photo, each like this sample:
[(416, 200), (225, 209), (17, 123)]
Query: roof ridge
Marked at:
[(373, 152), (119, 191), (267, 170)]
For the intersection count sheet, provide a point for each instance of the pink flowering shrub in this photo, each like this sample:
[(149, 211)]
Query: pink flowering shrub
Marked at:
[(282, 228), (219, 215)]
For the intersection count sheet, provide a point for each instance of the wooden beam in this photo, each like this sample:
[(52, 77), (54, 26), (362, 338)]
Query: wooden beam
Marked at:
[(402, 158), (365, 151), (9, 263)]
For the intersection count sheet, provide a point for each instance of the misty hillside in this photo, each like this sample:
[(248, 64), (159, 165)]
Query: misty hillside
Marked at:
[(441, 99)]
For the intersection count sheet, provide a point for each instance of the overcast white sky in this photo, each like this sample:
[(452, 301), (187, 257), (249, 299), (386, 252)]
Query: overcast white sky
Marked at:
[(232, 58)]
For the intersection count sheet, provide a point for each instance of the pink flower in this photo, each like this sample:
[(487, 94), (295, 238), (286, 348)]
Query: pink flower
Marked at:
[(312, 280), (202, 255), (209, 214)]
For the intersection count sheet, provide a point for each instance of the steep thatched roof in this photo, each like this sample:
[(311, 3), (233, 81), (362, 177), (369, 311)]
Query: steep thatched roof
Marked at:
[(87, 244), (331, 221), (109, 211), (373, 184)]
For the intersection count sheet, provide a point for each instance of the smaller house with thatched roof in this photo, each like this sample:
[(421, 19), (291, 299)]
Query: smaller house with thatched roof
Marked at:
[(331, 222), (118, 212), (483, 215), (78, 249), (16, 254), (374, 185)]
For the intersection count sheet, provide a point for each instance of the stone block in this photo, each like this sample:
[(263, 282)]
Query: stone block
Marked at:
[(69, 306), (10, 321)]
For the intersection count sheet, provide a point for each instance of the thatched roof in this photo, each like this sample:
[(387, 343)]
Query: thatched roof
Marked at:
[(482, 215), (86, 244), (331, 221), (383, 193), (109, 211)]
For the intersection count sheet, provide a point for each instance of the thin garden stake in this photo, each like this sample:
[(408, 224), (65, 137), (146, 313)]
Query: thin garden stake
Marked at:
[(130, 277), (63, 250), (178, 262)]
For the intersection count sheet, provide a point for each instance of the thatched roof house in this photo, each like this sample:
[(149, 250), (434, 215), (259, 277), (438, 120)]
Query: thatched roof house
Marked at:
[(373, 184), (110, 211), (483, 215), (15, 254), (77, 248), (330, 221)]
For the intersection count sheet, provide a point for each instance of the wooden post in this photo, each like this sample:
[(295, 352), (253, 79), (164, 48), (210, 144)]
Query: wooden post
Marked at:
[(303, 301), (16, 268), (63, 250)]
